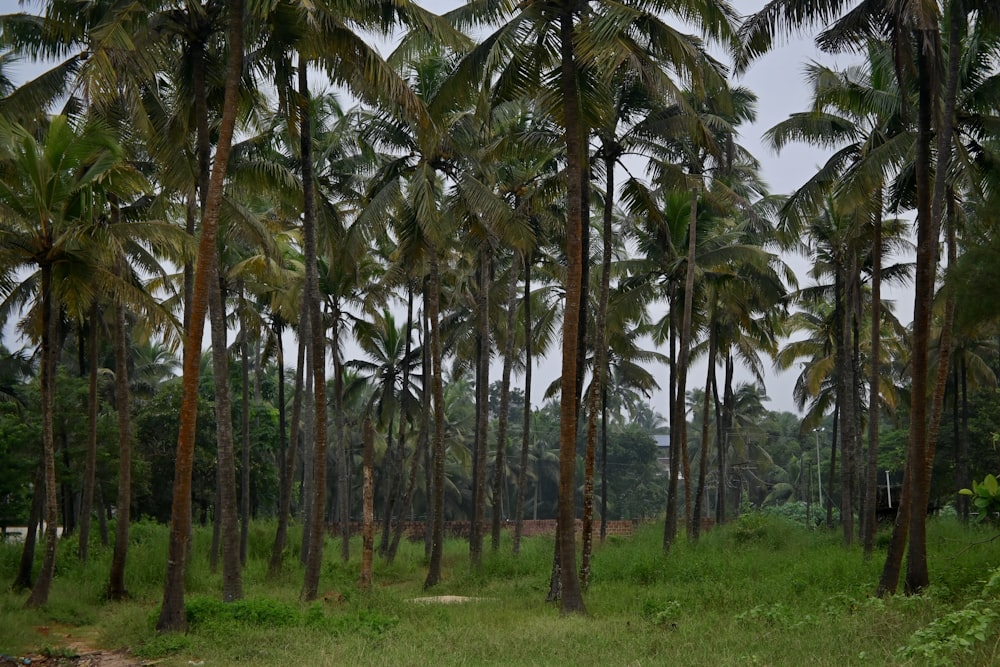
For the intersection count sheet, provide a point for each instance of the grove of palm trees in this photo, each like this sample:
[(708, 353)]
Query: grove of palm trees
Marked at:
[(278, 281)]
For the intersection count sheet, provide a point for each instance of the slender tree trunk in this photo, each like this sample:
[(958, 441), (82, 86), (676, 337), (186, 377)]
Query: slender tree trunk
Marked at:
[(429, 467), (215, 548), (343, 458), (310, 585), (308, 487), (687, 334), (571, 597), (232, 576), (705, 422), (90, 466), (604, 461), (172, 617), (670, 523), (245, 438), (482, 407), (116, 584), (830, 478), (102, 516), (845, 398), (40, 591), (285, 492), (411, 485), (874, 393), (437, 504), (962, 480), (27, 562), (368, 503), (388, 477), (499, 463), (722, 441), (600, 371), (914, 498), (522, 474), (394, 497)]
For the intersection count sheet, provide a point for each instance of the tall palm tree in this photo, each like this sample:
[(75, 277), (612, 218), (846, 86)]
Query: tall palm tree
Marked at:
[(858, 111), (172, 617), (917, 45), (566, 44), (46, 195)]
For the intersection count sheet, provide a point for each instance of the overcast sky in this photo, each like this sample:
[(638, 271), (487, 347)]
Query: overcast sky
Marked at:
[(777, 79)]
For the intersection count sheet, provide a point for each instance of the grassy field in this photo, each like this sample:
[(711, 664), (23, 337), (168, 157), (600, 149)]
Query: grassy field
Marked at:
[(757, 592)]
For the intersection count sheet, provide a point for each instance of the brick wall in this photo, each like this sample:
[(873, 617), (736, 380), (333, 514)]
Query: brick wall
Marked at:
[(415, 529)]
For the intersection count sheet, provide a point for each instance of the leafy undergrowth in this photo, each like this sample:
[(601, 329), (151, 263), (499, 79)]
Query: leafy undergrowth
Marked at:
[(760, 591)]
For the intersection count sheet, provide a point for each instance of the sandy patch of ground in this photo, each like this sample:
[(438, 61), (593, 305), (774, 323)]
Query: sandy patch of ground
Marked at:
[(69, 650)]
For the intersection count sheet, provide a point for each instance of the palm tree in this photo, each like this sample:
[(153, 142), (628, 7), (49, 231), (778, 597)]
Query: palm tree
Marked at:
[(570, 41), (172, 617), (45, 194), (389, 376), (857, 111), (915, 36)]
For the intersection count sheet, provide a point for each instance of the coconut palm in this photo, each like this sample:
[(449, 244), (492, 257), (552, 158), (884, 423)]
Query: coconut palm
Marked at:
[(858, 111), (46, 195), (568, 46)]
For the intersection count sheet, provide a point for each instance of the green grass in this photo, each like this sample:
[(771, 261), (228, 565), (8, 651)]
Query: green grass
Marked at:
[(760, 591)]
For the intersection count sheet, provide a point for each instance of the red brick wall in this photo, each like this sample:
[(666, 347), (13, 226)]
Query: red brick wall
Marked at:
[(415, 529)]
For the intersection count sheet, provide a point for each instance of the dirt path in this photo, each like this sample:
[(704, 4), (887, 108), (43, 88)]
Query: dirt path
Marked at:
[(70, 648)]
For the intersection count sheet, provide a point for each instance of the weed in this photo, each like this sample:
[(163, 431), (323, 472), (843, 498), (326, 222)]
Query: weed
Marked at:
[(364, 623), (664, 614), (956, 632), (160, 646)]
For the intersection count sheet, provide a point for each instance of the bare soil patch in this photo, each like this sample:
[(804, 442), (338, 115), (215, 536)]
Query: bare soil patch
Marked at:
[(68, 647)]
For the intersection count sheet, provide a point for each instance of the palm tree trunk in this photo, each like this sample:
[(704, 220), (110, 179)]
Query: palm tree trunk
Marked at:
[(90, 466), (571, 598), (343, 459), (929, 206), (482, 407), (116, 585), (40, 591), (722, 442), (499, 464), (396, 504), (288, 474), (245, 439), (388, 480), (368, 503), (27, 561), (600, 372), (604, 461), (437, 393), (962, 480), (310, 585), (308, 453), (703, 462), (411, 485), (687, 334), (831, 476), (232, 576), (917, 575), (522, 474), (213, 552), (281, 533), (845, 392), (172, 617), (874, 393)]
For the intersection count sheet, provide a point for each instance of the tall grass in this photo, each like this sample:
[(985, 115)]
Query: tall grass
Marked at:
[(760, 591)]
